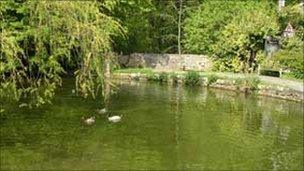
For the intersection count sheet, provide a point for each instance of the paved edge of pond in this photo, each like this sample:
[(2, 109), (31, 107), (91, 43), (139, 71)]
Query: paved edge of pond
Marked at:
[(267, 86)]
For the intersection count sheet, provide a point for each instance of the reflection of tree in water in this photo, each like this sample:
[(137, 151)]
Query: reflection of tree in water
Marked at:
[(252, 120), (107, 93), (175, 102), (284, 140), (175, 108)]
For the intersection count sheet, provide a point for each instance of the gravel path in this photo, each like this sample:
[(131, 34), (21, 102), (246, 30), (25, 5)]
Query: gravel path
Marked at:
[(296, 85), (292, 84)]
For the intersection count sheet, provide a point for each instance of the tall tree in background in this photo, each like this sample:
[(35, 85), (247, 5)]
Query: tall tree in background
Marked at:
[(180, 12), (152, 26), (232, 32), (243, 37)]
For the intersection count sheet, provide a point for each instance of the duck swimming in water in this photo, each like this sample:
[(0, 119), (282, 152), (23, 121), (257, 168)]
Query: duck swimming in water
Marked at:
[(89, 121), (101, 111), (114, 118)]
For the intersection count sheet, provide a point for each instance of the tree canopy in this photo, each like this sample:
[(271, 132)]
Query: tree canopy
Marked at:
[(49, 38)]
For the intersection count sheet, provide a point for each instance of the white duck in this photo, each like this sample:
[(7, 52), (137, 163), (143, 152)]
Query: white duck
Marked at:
[(89, 120), (114, 118), (102, 111)]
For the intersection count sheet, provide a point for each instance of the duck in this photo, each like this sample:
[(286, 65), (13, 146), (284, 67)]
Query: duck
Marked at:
[(102, 111), (114, 118), (89, 121)]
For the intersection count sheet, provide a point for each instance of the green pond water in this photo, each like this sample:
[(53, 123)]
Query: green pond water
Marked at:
[(163, 127)]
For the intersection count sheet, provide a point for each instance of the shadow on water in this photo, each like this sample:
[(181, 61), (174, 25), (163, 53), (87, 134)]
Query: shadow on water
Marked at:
[(164, 127)]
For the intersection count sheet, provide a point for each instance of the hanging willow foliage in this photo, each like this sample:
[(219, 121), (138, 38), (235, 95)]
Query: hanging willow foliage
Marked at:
[(58, 34)]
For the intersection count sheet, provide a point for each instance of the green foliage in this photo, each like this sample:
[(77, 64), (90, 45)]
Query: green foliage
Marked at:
[(292, 14), (152, 26), (203, 26), (162, 77), (174, 77), (135, 70), (291, 56), (192, 78), (212, 78), (41, 39), (133, 14), (250, 82), (152, 76), (232, 32), (244, 36)]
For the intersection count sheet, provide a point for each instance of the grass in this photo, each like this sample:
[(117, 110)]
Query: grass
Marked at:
[(134, 70), (161, 76), (289, 76), (212, 78), (252, 82), (158, 77), (174, 77), (192, 78)]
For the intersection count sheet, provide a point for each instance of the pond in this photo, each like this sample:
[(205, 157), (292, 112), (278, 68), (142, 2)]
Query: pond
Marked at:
[(163, 127)]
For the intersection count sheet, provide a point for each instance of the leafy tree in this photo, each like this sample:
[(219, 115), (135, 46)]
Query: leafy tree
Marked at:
[(232, 32), (244, 36), (292, 14), (134, 17), (152, 26), (291, 56), (55, 34), (203, 26)]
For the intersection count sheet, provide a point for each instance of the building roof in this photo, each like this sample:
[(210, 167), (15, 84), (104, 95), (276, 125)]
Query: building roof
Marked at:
[(289, 28)]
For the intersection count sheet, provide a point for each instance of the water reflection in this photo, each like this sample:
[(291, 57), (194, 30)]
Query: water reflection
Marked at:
[(164, 127)]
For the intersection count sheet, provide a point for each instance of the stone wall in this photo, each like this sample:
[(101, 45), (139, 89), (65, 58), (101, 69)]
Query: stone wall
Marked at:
[(165, 61)]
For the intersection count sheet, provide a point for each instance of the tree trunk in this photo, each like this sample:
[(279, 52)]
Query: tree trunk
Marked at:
[(251, 61), (107, 67), (179, 26), (281, 4)]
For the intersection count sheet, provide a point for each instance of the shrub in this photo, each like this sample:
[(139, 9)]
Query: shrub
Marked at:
[(174, 77), (291, 56), (163, 77), (152, 77), (251, 82), (192, 78), (211, 79), (238, 83)]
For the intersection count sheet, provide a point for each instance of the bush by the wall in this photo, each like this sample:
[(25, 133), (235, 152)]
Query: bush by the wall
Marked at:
[(163, 77), (152, 76), (250, 83), (174, 77), (192, 78)]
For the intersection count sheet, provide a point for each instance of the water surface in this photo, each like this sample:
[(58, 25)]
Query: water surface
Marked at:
[(163, 127)]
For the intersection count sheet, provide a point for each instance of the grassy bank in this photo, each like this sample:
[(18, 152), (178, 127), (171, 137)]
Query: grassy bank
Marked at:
[(247, 83)]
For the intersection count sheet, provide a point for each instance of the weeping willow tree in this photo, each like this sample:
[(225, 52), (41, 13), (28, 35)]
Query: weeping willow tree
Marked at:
[(56, 36)]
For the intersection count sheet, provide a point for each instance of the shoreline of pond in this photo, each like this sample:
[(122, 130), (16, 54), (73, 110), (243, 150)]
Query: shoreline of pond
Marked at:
[(247, 85)]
